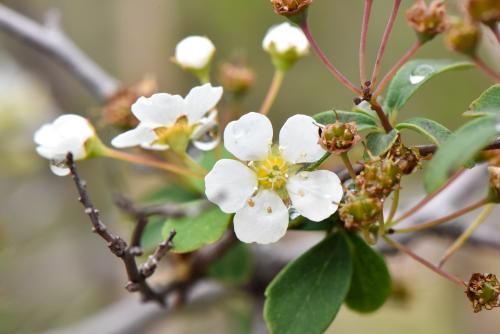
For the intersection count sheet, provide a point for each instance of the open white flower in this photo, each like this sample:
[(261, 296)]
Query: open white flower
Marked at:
[(68, 133), (262, 190), (194, 52), (169, 120), (286, 40)]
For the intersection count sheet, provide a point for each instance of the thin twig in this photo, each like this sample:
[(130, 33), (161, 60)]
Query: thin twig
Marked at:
[(385, 40), (148, 268), (51, 40), (118, 246)]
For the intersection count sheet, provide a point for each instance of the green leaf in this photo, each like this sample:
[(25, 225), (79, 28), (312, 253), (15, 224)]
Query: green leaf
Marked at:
[(306, 296), (379, 143), (371, 281), (152, 235), (171, 193), (363, 121), (412, 76), (234, 267), (487, 103), (303, 224), (196, 232), (458, 150), (434, 131)]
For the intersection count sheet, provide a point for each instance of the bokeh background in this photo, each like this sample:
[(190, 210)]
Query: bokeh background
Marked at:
[(54, 272)]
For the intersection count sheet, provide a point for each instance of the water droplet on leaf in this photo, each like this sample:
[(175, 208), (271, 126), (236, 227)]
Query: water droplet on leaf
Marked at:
[(420, 73)]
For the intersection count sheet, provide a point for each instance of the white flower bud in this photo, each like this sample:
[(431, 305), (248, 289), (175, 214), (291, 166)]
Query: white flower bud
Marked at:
[(286, 43), (194, 52), (68, 133)]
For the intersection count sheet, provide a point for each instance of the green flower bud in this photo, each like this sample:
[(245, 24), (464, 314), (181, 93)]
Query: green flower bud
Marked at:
[(360, 210), (379, 177), (485, 11), (339, 137), (463, 37), (295, 10)]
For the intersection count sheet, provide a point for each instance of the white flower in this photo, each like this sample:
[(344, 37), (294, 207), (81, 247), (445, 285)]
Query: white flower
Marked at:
[(68, 133), (286, 39), (262, 190), (194, 52), (169, 120)]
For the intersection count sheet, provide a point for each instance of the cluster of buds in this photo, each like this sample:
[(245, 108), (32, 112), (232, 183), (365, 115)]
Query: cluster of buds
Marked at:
[(236, 78), (294, 10), (338, 137), (484, 11), (483, 291), (427, 20), (379, 177), (407, 159), (360, 210), (463, 36), (117, 112)]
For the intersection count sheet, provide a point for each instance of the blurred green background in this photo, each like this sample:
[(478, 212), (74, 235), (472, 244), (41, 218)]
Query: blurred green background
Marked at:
[(54, 272)]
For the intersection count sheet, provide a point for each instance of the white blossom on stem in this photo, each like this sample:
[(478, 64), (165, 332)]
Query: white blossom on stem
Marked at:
[(194, 52), (268, 181)]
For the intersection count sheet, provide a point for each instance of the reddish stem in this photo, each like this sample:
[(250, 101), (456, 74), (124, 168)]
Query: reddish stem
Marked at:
[(385, 40), (496, 31), (362, 42), (486, 69), (336, 73), (388, 77)]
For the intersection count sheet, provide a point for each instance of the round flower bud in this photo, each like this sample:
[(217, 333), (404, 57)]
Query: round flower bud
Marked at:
[(463, 37), (360, 210), (68, 133), (485, 11), (427, 20), (286, 44), (236, 78), (483, 291), (339, 137), (379, 178), (194, 52), (494, 183), (292, 9), (117, 111)]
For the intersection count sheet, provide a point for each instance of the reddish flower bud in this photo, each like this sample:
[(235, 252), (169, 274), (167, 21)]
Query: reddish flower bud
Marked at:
[(463, 37), (485, 11), (427, 20), (483, 291)]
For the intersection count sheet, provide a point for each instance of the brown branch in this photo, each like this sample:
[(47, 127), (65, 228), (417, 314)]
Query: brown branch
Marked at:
[(51, 40), (148, 268), (118, 246)]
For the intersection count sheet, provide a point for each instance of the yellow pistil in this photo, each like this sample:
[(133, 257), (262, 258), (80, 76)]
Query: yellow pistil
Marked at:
[(176, 136), (272, 173)]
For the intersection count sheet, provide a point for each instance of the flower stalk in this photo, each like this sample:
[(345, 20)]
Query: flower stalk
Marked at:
[(274, 88), (362, 42), (324, 59), (444, 219), (485, 68), (466, 234)]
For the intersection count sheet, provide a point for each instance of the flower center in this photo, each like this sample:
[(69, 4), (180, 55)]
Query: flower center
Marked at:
[(272, 173), (176, 136)]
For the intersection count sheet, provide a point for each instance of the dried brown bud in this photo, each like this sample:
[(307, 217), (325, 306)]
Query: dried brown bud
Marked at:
[(485, 11), (236, 78), (360, 210), (494, 183), (379, 177), (291, 8), (117, 111), (427, 20), (463, 37), (483, 291), (339, 137), (406, 159)]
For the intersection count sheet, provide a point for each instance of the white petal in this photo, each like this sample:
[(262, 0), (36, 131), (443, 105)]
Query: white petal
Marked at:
[(46, 136), (73, 126), (160, 109), (263, 220), (315, 195), (201, 100), (250, 137), (299, 140), (230, 184), (286, 38), (194, 52), (140, 135)]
